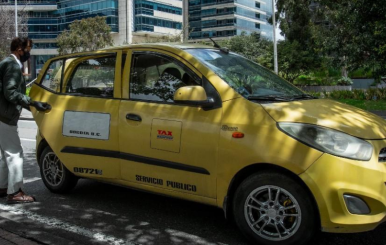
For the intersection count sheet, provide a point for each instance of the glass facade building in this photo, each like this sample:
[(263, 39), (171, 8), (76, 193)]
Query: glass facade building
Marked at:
[(225, 18), (153, 16), (130, 21), (48, 23), (48, 18)]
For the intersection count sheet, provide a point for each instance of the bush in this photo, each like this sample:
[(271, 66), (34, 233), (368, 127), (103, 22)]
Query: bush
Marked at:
[(344, 81), (361, 73), (307, 80), (357, 94), (316, 94)]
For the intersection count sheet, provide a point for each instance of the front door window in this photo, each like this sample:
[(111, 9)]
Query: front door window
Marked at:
[(156, 78)]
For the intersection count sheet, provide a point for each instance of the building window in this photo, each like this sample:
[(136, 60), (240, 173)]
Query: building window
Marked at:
[(257, 25), (257, 5), (257, 15)]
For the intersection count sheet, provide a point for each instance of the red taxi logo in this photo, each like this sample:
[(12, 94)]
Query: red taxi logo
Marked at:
[(165, 135)]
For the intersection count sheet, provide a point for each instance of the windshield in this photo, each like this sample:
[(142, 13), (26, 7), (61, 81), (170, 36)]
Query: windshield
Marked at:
[(248, 78)]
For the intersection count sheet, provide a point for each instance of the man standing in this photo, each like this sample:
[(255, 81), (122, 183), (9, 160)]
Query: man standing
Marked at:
[(12, 100)]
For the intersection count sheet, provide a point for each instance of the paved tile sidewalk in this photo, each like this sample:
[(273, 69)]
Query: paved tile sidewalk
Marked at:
[(26, 115), (7, 238)]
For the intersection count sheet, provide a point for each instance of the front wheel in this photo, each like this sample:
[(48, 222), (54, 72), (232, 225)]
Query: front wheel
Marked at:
[(55, 175), (273, 209)]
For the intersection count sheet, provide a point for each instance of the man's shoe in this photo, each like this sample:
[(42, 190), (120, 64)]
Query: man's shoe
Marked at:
[(19, 197), (3, 192)]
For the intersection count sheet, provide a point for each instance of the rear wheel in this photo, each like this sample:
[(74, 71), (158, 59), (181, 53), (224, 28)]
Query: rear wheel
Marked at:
[(273, 209), (55, 175)]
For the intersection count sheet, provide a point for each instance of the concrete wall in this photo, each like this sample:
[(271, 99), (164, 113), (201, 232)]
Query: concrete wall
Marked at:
[(362, 83), (324, 88)]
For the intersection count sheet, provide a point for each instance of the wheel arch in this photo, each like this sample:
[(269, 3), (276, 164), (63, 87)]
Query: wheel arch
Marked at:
[(259, 167), (42, 145)]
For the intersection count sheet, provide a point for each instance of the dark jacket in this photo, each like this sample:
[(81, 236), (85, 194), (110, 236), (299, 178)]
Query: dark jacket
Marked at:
[(12, 91)]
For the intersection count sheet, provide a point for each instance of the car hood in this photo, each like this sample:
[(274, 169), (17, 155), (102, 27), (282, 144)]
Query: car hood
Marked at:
[(330, 114)]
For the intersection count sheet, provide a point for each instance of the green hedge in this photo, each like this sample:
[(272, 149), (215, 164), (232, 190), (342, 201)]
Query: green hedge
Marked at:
[(356, 94)]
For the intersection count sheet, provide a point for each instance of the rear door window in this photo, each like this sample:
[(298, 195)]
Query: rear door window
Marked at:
[(53, 76), (93, 77)]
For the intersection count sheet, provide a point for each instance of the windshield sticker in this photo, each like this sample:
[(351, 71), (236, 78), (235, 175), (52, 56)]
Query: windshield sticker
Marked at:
[(86, 125)]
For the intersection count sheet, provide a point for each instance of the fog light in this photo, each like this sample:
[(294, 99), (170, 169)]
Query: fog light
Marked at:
[(356, 205)]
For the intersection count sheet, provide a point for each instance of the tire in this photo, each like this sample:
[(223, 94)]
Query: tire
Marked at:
[(290, 218), (55, 175)]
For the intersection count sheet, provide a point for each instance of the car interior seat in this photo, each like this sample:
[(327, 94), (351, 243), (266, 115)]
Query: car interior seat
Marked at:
[(173, 72)]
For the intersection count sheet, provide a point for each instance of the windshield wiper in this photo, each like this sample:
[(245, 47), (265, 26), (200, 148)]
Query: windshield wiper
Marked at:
[(269, 98), (304, 96)]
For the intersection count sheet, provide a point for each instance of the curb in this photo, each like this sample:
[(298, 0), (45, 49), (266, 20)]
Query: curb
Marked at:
[(26, 118), (10, 238)]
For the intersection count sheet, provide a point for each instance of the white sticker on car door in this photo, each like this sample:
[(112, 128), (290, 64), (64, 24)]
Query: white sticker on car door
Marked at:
[(86, 125)]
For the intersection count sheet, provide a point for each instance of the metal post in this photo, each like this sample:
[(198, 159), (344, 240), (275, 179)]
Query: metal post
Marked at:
[(274, 38), (16, 17)]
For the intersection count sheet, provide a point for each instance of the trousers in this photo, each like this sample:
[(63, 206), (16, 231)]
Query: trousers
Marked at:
[(11, 162)]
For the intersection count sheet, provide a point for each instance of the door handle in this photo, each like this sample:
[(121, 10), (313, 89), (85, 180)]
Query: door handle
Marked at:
[(133, 117)]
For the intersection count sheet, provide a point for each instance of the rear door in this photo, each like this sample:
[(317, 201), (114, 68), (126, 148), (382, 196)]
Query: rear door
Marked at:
[(84, 92), (166, 145)]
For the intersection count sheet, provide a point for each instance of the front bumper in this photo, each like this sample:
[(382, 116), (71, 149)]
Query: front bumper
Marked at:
[(331, 177)]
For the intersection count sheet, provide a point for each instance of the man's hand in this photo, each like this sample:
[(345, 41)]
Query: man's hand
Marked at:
[(41, 106)]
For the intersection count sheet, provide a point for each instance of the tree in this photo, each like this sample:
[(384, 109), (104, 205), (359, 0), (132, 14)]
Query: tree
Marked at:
[(356, 33), (350, 33), (253, 47), (7, 27), (295, 18), (293, 60), (85, 35)]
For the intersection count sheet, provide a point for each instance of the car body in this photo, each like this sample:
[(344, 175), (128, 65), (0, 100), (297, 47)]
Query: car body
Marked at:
[(206, 125)]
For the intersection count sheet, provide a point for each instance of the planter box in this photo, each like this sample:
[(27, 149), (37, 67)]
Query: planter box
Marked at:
[(324, 88)]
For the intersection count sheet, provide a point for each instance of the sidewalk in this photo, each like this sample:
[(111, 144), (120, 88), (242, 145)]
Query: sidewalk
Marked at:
[(7, 238), (26, 115)]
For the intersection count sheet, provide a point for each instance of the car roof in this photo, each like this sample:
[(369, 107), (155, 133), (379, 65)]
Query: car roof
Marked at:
[(160, 45), (169, 46)]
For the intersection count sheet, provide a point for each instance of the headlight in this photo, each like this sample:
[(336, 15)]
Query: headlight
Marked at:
[(329, 140)]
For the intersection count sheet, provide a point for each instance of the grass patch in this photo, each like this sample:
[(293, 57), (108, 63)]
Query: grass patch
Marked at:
[(369, 105)]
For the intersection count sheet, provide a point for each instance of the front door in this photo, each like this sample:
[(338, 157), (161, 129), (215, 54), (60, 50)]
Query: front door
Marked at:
[(164, 144)]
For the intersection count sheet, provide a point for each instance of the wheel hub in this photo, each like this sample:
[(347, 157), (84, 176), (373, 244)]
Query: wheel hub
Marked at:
[(52, 169), (272, 213)]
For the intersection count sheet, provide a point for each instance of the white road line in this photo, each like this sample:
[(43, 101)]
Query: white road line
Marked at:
[(56, 223), (31, 180), (27, 139)]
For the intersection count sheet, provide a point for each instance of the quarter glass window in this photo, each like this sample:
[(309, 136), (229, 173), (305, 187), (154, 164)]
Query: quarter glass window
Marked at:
[(53, 76), (156, 78), (92, 77)]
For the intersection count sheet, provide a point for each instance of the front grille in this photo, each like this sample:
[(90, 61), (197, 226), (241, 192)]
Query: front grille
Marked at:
[(382, 155)]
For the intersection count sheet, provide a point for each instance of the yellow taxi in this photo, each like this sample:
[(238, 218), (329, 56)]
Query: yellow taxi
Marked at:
[(207, 125)]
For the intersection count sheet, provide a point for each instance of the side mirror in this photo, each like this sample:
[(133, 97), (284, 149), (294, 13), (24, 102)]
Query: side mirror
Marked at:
[(193, 95)]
